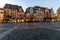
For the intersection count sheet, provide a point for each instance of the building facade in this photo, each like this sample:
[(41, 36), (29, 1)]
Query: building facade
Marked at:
[(29, 14), (38, 13), (15, 13), (1, 15), (20, 15), (52, 15), (12, 13), (58, 14), (47, 16)]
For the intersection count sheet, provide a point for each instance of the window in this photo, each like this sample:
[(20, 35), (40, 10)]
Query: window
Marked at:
[(1, 12), (47, 15)]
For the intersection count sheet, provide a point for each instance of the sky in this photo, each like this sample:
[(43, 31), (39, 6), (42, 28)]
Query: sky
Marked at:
[(55, 4)]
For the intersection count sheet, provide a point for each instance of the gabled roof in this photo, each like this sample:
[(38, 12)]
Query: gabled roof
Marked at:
[(12, 6)]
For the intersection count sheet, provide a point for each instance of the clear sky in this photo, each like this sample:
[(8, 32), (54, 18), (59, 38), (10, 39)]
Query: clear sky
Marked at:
[(27, 3)]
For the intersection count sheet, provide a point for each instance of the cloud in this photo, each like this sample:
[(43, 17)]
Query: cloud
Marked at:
[(3, 2)]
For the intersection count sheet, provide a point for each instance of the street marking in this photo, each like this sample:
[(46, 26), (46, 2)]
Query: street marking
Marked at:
[(29, 27), (53, 29), (6, 32), (38, 27), (4, 28)]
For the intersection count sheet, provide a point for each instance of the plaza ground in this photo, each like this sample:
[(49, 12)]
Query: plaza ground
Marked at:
[(30, 31)]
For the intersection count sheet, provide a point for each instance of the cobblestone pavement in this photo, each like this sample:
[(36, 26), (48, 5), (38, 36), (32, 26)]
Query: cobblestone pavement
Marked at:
[(6, 26), (35, 31)]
